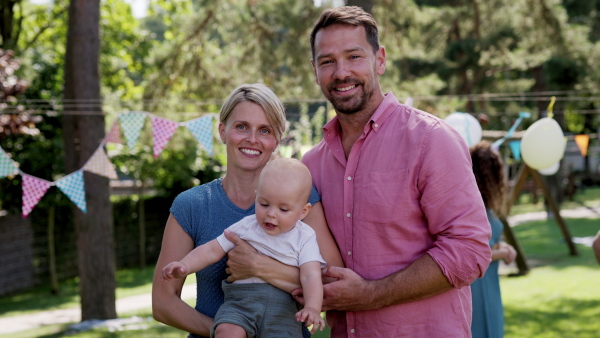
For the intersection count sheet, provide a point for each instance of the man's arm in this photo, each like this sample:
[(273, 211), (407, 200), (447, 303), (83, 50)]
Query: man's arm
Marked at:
[(422, 279), (167, 306)]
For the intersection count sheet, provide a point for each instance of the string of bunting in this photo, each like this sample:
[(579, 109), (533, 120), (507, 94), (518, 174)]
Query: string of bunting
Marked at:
[(131, 123)]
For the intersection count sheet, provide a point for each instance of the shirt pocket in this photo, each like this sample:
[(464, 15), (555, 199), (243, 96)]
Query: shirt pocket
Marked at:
[(378, 195)]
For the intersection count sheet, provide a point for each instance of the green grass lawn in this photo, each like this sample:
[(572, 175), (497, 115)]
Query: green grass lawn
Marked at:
[(588, 197), (560, 297)]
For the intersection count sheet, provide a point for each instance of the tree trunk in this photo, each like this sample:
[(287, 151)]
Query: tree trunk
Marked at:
[(83, 130), (7, 23)]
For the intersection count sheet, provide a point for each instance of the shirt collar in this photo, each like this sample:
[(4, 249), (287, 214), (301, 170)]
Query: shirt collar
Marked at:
[(386, 107)]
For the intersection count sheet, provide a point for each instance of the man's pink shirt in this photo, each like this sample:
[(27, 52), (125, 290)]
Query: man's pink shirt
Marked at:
[(407, 189)]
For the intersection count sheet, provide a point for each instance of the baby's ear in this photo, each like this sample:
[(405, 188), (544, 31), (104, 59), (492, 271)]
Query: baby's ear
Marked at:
[(305, 210)]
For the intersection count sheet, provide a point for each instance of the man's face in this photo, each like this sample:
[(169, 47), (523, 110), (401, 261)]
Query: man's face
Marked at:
[(346, 68)]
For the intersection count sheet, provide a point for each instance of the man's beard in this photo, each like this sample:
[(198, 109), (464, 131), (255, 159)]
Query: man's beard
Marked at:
[(350, 105)]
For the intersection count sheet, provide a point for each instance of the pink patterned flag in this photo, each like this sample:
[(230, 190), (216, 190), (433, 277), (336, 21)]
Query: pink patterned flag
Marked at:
[(162, 131), (33, 190), (101, 165), (114, 135)]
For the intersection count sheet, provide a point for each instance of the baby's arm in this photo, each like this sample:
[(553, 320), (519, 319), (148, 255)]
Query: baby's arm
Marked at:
[(198, 259), (310, 278)]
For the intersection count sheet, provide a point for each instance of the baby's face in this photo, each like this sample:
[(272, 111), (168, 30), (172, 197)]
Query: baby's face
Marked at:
[(279, 206)]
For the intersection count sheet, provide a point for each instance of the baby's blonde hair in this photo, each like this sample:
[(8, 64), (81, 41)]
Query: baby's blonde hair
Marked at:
[(289, 170)]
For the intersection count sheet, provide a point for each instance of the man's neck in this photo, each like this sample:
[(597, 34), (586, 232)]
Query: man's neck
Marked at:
[(353, 125)]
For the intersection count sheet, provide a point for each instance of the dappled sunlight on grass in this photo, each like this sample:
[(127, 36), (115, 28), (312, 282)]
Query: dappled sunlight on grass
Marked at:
[(560, 297)]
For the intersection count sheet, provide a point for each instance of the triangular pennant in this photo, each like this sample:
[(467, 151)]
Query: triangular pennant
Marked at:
[(114, 135), (101, 165), (162, 130), (33, 190), (202, 129), (7, 166), (582, 142), (515, 147), (72, 186), (132, 124)]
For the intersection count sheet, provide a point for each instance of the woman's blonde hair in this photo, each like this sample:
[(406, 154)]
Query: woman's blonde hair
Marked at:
[(261, 95)]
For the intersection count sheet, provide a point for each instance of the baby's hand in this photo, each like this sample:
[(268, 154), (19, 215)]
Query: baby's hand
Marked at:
[(174, 270), (310, 317)]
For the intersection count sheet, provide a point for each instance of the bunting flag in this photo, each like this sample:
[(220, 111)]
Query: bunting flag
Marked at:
[(515, 147), (101, 165), (202, 129), (33, 190), (114, 135), (132, 124), (7, 166), (72, 186), (162, 131), (582, 142)]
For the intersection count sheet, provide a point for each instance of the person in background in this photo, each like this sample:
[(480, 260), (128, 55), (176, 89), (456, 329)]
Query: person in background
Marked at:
[(488, 313), (399, 197), (596, 246), (252, 121)]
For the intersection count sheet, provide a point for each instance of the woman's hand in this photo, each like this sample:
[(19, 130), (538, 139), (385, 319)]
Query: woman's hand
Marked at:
[(504, 251), (244, 262), (241, 262)]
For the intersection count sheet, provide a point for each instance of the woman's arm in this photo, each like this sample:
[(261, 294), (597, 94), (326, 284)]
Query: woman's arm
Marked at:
[(505, 251), (167, 306), (245, 262)]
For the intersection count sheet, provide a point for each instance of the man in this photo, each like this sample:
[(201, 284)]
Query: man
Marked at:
[(399, 196)]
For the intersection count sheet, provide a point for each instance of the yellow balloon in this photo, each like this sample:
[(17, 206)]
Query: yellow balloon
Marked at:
[(543, 144), (553, 169)]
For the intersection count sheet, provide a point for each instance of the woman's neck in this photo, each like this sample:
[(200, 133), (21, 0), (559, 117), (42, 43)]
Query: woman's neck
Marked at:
[(241, 189)]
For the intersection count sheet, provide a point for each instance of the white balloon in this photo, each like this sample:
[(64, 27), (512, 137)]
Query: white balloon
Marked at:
[(543, 144), (467, 126), (550, 170)]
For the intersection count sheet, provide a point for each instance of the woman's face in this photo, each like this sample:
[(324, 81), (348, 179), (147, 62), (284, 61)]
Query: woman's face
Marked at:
[(248, 136)]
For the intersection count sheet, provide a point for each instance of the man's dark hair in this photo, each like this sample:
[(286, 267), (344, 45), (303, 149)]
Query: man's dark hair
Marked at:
[(347, 15)]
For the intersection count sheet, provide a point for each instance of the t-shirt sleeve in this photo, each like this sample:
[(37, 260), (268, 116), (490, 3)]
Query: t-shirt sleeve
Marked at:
[(239, 228), (182, 210), (309, 252), (314, 196)]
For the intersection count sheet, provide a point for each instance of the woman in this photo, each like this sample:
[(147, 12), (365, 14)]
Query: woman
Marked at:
[(252, 121), (488, 314)]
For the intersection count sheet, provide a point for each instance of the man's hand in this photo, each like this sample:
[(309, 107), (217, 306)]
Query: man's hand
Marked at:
[(350, 292), (241, 259)]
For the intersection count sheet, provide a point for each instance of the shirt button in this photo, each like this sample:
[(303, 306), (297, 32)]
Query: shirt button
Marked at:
[(352, 331), (349, 178), (349, 253), (376, 125), (348, 215)]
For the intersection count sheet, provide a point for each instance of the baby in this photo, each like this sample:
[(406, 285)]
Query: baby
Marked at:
[(253, 307)]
